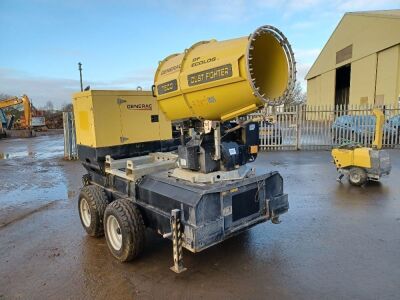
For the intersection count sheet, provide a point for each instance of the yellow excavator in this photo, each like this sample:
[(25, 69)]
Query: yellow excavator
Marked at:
[(24, 100), (360, 163)]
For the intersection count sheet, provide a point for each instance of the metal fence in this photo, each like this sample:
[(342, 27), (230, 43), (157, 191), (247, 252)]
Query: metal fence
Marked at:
[(301, 127), (322, 127), (70, 149)]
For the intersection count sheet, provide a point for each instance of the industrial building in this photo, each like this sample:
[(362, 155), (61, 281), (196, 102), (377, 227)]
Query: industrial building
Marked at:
[(360, 63)]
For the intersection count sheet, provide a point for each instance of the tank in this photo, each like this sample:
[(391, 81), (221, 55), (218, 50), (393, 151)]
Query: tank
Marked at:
[(220, 80)]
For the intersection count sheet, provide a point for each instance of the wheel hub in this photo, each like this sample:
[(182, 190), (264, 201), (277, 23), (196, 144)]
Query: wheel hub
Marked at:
[(85, 212), (356, 177), (114, 232)]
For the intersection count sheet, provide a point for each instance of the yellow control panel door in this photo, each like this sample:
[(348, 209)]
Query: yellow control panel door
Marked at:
[(140, 120)]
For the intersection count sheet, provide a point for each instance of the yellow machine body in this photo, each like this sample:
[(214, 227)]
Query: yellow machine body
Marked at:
[(363, 163), (106, 118), (26, 105), (358, 157), (222, 80), (361, 156)]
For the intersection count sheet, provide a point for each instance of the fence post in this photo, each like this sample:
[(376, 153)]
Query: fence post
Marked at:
[(298, 116), (70, 150)]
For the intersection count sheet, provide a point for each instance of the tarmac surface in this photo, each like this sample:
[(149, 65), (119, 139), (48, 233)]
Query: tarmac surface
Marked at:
[(336, 241)]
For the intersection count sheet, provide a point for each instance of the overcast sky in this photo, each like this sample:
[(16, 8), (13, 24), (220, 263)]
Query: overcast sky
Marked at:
[(121, 42)]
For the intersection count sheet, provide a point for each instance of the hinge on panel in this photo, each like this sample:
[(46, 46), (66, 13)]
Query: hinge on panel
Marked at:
[(123, 139), (120, 101)]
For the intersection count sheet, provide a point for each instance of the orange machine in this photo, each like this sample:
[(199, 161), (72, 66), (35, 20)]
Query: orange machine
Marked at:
[(27, 121)]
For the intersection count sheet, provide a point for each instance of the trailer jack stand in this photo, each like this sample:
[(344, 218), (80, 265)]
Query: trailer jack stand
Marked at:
[(339, 178), (275, 220), (177, 241)]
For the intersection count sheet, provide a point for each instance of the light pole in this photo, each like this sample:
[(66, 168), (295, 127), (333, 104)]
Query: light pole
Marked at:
[(80, 74)]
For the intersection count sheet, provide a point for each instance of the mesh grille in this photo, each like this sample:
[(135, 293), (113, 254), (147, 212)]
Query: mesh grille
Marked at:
[(245, 204)]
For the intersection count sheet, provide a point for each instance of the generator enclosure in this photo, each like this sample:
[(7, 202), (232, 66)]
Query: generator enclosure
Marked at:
[(119, 123)]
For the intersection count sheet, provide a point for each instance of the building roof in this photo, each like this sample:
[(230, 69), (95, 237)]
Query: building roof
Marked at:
[(391, 13), (369, 31)]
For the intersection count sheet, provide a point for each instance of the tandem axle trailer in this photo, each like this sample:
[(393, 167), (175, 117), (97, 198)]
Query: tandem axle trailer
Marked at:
[(141, 192)]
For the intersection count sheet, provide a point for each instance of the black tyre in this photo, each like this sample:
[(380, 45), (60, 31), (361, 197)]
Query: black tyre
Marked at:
[(357, 176), (92, 204), (124, 229)]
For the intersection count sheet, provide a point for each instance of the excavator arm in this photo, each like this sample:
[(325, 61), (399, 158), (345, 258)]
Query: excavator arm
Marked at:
[(27, 111), (10, 102)]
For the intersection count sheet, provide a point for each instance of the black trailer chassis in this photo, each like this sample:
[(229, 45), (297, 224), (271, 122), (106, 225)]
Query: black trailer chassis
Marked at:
[(193, 215)]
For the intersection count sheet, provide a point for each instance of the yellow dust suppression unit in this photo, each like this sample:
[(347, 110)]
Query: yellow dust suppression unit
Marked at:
[(362, 163), (173, 159), (222, 80)]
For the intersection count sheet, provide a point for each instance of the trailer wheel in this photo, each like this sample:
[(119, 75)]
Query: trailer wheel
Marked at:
[(124, 229), (91, 205), (357, 176)]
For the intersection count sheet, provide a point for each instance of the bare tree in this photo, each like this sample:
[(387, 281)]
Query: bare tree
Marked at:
[(298, 96), (67, 107), (49, 105)]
